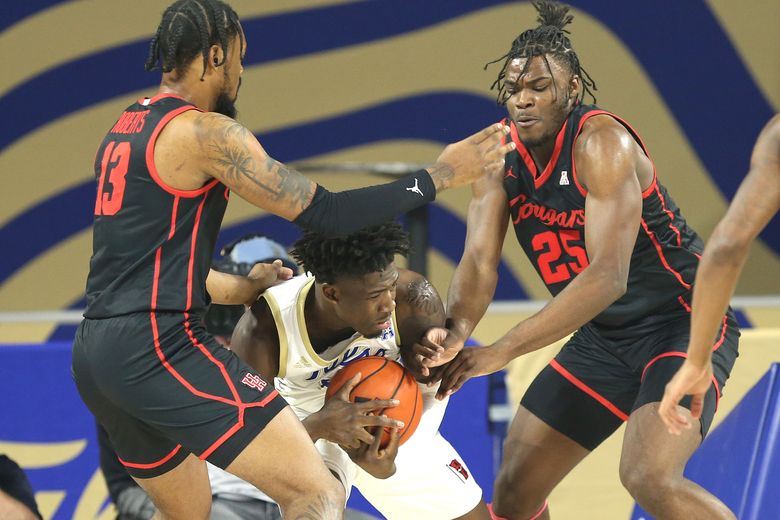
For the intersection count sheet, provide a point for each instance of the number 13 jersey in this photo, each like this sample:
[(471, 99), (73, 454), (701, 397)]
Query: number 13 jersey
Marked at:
[(152, 244), (547, 210)]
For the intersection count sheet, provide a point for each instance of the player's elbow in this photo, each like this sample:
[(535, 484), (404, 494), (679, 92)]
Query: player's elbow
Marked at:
[(727, 250), (612, 280)]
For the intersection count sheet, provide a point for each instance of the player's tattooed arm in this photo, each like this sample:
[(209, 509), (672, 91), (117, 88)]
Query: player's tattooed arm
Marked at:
[(235, 157), (419, 310), (441, 175)]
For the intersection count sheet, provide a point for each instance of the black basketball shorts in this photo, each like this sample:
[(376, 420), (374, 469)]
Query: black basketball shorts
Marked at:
[(164, 388), (594, 384)]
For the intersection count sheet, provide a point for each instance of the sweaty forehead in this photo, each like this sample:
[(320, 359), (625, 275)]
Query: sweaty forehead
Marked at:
[(537, 68)]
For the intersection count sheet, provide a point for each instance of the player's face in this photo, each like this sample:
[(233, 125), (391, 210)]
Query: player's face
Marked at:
[(233, 68), (539, 98), (367, 302)]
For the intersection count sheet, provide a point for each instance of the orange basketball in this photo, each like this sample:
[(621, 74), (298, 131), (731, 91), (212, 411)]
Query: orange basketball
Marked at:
[(383, 378)]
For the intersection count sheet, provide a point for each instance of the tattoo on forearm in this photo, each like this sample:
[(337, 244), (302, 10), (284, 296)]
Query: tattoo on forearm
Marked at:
[(422, 295), (321, 508), (226, 143), (291, 184), (441, 174)]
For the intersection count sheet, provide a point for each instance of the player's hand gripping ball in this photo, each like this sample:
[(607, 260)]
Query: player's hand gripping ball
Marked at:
[(383, 378)]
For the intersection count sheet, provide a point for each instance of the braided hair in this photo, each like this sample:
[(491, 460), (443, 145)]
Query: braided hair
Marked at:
[(189, 27), (551, 38), (366, 251)]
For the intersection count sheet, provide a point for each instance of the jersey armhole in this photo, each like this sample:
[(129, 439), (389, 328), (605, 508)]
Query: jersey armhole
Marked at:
[(280, 331), (647, 191), (152, 167)]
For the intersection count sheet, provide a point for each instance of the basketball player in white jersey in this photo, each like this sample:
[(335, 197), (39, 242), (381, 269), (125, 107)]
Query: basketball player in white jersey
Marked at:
[(354, 302)]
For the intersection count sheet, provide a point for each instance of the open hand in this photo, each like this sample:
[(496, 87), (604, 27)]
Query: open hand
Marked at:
[(472, 158), (436, 348), (689, 380), (265, 276), (470, 362)]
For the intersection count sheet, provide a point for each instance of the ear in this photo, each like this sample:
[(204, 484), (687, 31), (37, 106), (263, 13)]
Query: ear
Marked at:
[(216, 56), (575, 88), (330, 292)]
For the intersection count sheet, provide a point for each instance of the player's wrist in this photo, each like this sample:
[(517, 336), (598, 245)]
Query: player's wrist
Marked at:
[(441, 175), (313, 426)]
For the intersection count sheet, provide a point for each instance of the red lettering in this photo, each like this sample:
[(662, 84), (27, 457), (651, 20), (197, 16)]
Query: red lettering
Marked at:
[(139, 125), (552, 246), (116, 155)]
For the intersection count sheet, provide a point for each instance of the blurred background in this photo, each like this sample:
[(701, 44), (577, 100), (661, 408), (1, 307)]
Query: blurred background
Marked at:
[(329, 81)]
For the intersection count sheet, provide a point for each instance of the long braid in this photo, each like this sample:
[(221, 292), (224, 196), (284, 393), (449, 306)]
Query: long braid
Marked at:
[(550, 37), (190, 27)]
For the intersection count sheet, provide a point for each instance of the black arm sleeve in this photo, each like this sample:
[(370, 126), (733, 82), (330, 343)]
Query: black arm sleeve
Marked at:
[(345, 212)]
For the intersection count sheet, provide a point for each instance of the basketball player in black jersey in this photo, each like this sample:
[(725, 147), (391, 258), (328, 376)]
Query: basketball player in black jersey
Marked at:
[(619, 259), (756, 202), (169, 396)]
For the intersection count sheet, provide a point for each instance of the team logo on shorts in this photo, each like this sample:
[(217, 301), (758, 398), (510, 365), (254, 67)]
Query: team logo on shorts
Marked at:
[(253, 381), (457, 468)]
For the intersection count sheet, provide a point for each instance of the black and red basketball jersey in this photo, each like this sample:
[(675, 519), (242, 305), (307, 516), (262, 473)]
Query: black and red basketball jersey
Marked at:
[(547, 209), (152, 244)]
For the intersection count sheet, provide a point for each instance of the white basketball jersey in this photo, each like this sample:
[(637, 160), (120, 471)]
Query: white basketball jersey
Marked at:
[(303, 373)]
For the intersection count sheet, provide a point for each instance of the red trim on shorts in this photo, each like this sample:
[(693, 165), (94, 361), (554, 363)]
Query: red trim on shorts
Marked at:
[(187, 194), (588, 390), (722, 338), (682, 355), (661, 256), (684, 304), (151, 465)]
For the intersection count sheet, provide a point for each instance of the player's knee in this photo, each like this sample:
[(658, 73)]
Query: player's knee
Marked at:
[(647, 483), (511, 498), (327, 498), (195, 508)]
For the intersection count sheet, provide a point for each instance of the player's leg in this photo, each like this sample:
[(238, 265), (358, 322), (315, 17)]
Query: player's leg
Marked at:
[(651, 469), (283, 462), (575, 402), (536, 458), (182, 493), (653, 460), (175, 480)]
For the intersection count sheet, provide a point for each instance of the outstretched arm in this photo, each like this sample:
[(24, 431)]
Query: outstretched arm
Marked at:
[(756, 202), (418, 309), (232, 289), (233, 155), (607, 159)]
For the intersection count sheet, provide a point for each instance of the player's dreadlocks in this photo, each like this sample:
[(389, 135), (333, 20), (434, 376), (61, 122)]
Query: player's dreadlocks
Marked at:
[(548, 38), (189, 27), (363, 252)]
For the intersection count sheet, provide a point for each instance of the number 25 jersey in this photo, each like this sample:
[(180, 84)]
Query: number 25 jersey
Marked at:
[(547, 210)]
